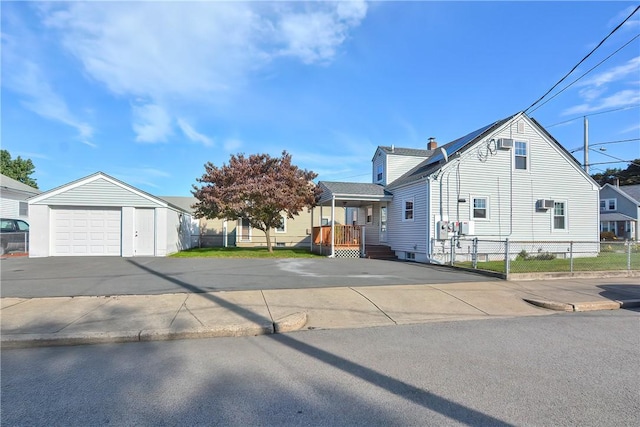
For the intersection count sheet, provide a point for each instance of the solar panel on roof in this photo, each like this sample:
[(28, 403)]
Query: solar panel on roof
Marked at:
[(456, 145)]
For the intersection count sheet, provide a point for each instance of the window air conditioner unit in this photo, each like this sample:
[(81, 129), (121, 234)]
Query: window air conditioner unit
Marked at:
[(505, 143), (545, 204)]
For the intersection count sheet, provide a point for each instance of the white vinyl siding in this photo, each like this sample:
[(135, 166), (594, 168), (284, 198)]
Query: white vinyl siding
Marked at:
[(398, 165), (99, 192), (408, 236), (512, 199)]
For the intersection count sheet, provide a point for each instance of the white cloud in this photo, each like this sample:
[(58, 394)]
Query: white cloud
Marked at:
[(614, 74), (192, 134), (174, 53), (622, 98), (151, 123), (630, 129), (631, 24), (23, 74)]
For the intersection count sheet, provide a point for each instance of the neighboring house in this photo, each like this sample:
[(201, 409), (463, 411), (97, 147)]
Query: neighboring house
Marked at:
[(620, 210), (100, 215), (508, 180), (13, 198), (295, 232)]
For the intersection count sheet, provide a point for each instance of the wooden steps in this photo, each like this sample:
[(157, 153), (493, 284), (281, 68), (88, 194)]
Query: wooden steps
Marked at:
[(379, 252)]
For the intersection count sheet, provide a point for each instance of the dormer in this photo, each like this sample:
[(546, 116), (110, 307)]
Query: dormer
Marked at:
[(391, 162)]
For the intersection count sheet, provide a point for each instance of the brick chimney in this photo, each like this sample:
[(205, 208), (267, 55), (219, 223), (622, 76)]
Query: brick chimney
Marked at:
[(432, 144)]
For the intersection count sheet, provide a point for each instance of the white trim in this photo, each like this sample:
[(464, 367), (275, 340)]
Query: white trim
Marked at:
[(566, 217), (240, 227), (366, 214), (91, 178), (606, 205), (487, 208), (284, 225), (405, 210), (528, 155)]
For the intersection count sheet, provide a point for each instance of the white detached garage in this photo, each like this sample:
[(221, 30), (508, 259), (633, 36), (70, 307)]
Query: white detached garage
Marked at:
[(102, 216)]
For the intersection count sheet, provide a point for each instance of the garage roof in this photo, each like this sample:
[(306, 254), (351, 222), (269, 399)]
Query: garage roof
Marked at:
[(100, 189)]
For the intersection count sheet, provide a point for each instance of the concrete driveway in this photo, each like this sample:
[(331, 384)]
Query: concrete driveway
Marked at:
[(99, 276)]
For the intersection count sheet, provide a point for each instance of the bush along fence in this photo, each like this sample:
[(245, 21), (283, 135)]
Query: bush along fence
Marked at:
[(506, 256)]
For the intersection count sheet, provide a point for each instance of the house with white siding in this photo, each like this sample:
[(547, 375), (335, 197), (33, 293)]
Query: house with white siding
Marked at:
[(508, 180), (620, 210), (13, 198)]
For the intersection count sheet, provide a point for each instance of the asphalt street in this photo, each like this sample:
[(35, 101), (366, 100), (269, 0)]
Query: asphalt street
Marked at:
[(563, 370), (97, 276)]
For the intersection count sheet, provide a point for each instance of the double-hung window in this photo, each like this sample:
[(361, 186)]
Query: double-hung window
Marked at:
[(480, 208), (408, 210), (283, 225), (369, 214), (379, 173), (520, 154), (559, 216), (608, 204)]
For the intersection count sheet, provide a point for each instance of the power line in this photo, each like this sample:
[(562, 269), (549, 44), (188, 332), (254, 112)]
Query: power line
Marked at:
[(583, 59), (605, 143), (617, 158), (593, 114), (590, 70)]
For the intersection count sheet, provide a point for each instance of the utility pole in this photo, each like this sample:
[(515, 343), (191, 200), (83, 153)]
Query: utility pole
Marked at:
[(586, 144)]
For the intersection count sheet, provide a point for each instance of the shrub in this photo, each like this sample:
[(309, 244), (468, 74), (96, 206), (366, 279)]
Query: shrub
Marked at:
[(608, 235)]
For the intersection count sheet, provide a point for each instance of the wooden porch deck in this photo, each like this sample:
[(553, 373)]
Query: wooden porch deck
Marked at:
[(346, 236)]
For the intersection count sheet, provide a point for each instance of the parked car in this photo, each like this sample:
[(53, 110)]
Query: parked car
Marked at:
[(14, 235)]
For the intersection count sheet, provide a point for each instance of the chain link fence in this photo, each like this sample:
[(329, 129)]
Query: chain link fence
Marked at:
[(17, 241), (505, 256)]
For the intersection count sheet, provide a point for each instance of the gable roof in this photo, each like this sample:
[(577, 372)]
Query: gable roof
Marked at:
[(352, 191), (183, 202), (15, 185), (414, 152), (631, 192), (435, 162), (104, 177)]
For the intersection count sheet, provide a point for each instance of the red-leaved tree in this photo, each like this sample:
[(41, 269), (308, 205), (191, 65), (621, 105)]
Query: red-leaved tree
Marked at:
[(259, 188)]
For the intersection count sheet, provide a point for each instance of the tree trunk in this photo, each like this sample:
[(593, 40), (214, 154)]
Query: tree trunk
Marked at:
[(268, 235)]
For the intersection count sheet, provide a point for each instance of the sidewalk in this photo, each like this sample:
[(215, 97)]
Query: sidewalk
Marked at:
[(91, 320)]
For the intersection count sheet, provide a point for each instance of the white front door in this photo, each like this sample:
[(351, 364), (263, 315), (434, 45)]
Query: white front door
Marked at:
[(383, 223), (144, 238)]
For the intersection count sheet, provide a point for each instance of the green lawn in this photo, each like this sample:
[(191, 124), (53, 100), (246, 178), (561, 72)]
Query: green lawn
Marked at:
[(604, 261), (233, 252)]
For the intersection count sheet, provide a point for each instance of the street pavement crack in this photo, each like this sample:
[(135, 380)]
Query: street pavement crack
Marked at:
[(459, 299), (374, 304), (84, 315), (273, 323), (184, 304)]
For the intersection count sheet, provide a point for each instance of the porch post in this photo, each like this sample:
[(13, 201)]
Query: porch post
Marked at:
[(333, 226), (311, 240), (321, 240)]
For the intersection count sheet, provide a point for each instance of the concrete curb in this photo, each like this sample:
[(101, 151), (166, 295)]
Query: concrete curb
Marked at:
[(292, 322), (584, 306), (550, 305)]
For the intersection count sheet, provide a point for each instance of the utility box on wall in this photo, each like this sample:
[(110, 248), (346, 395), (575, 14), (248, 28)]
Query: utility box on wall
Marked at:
[(467, 228), (442, 230)]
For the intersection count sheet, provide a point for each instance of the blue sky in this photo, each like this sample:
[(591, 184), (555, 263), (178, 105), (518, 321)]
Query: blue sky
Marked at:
[(148, 92)]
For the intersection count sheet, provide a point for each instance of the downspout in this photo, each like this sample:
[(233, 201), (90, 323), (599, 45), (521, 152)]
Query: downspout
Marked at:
[(428, 228)]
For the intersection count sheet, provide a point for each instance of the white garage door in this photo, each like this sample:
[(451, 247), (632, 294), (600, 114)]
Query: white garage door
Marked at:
[(86, 231)]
